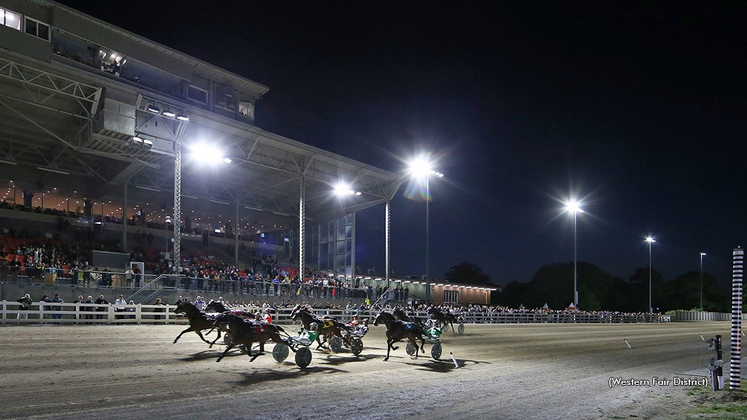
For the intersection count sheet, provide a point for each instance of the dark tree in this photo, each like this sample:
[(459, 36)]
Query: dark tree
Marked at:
[(466, 273)]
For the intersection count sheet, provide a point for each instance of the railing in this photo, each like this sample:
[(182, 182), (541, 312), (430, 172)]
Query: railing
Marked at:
[(85, 313), (702, 316)]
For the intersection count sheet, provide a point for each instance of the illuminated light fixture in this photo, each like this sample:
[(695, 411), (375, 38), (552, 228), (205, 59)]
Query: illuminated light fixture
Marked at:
[(98, 222), (182, 117), (7, 162), (204, 153), (190, 196), (220, 202), (170, 114), (57, 171), (281, 213), (217, 230), (154, 109), (137, 141), (147, 144), (253, 208), (147, 188), (227, 160)]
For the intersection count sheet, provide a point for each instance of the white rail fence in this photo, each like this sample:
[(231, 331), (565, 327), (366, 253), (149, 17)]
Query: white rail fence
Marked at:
[(86, 313)]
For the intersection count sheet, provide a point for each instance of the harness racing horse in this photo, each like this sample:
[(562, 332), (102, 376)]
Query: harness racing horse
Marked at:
[(245, 332), (402, 316), (327, 326), (222, 325), (442, 317), (198, 321), (397, 330)]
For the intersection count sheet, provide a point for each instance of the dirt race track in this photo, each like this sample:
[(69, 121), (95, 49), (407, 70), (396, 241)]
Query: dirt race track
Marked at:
[(543, 371)]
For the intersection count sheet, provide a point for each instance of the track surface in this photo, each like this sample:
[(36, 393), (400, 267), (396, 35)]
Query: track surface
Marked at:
[(506, 371)]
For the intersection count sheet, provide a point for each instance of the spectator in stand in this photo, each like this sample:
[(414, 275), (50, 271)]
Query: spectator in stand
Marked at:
[(119, 306), (137, 275), (89, 301), (45, 299), (25, 302), (101, 301), (57, 299), (128, 276)]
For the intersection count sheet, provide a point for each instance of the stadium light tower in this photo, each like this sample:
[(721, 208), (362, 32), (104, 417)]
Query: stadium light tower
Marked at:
[(701, 279), (573, 207), (419, 168), (650, 241)]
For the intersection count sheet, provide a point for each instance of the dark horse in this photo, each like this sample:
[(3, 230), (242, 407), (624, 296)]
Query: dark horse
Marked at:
[(217, 306), (402, 316), (198, 320), (442, 317), (397, 330), (222, 324), (245, 332), (327, 326)]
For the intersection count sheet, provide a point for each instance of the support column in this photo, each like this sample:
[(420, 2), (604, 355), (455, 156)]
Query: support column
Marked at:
[(387, 239), (302, 227), (236, 233), (178, 199), (124, 215), (352, 250), (735, 370)]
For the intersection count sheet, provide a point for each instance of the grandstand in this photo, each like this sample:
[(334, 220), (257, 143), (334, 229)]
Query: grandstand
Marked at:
[(112, 142)]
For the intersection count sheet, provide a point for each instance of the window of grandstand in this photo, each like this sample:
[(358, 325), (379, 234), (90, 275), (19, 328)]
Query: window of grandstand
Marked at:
[(224, 97), (246, 109), (197, 94), (451, 296), (37, 29), (10, 19)]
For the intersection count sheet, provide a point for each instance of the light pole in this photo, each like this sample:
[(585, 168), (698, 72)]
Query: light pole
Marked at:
[(418, 168), (701, 280), (572, 206), (650, 241)]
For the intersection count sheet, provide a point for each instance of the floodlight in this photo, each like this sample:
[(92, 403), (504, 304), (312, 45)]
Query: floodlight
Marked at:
[(154, 109), (147, 144), (182, 117), (168, 113)]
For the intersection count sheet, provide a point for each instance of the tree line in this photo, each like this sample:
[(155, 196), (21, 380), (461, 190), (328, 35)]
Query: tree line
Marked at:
[(552, 284)]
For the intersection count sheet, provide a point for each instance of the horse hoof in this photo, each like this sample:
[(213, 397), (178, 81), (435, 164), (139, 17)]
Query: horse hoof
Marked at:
[(386, 358)]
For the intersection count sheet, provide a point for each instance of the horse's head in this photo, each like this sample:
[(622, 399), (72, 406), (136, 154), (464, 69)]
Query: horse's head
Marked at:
[(383, 317), (295, 311), (182, 308)]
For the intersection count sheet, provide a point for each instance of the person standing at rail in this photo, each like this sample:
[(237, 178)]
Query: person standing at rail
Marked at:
[(25, 302)]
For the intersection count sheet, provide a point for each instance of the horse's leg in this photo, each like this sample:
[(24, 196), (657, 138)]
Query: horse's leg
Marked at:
[(203, 338), (216, 339), (388, 347), (224, 353), (249, 353), (414, 343), (452, 326), (422, 344), (179, 336)]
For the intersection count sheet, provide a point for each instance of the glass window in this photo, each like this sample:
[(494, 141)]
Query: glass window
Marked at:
[(196, 94), (10, 19), (246, 109), (37, 29)]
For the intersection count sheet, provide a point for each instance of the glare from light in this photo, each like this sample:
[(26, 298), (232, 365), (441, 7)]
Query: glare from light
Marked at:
[(420, 166), (202, 152), (573, 207), (650, 239)]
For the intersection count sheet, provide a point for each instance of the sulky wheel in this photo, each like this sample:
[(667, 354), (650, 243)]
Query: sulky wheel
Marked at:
[(411, 350), (280, 352), (356, 345), (335, 343), (303, 357), (228, 339), (436, 351), (460, 328)]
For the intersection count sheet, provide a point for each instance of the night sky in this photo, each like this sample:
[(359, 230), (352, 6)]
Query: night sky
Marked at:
[(637, 109)]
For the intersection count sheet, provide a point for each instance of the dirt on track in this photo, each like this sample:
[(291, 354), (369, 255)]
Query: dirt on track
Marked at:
[(538, 371)]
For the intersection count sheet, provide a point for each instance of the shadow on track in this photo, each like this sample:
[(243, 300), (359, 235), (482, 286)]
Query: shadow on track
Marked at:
[(260, 375), (341, 359)]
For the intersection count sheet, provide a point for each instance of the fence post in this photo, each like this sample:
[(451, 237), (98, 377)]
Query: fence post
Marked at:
[(735, 369)]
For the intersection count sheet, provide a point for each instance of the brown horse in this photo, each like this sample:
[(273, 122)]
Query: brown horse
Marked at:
[(327, 326), (198, 320), (245, 332), (442, 317), (397, 330)]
